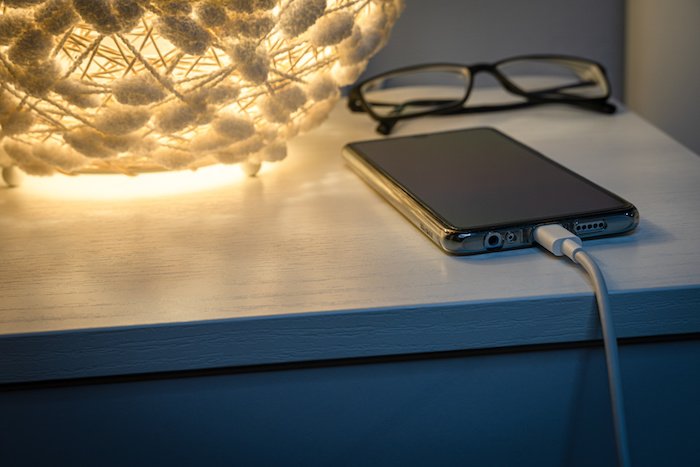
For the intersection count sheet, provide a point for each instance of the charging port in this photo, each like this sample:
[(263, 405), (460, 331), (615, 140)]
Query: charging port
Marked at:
[(590, 227)]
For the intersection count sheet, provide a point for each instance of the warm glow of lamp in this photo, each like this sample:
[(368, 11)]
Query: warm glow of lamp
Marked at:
[(133, 86)]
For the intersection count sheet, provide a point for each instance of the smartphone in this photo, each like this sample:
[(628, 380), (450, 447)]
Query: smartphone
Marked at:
[(478, 190)]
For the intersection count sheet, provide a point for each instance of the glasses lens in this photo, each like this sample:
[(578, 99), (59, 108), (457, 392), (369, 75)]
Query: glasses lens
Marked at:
[(557, 77), (416, 92)]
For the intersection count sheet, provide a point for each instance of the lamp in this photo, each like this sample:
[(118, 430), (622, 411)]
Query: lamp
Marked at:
[(132, 86)]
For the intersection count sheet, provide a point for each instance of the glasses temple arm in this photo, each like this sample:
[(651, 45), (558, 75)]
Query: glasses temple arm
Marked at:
[(565, 87), (599, 106)]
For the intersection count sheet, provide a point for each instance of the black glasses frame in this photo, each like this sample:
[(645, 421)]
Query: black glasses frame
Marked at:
[(358, 103)]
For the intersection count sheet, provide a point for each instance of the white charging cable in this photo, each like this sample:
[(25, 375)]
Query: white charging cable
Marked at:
[(561, 242)]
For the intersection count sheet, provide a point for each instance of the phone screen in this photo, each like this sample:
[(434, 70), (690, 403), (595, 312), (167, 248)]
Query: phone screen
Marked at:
[(480, 177)]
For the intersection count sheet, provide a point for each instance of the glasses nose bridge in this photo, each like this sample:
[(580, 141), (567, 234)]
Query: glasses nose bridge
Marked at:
[(491, 69), (483, 68)]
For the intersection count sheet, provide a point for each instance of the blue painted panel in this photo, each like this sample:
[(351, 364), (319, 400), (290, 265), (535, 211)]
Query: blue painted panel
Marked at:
[(544, 408)]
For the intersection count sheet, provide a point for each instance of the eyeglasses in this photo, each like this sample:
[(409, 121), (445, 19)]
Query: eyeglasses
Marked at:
[(443, 89)]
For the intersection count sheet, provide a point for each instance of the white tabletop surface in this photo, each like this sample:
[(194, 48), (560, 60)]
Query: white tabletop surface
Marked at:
[(296, 263)]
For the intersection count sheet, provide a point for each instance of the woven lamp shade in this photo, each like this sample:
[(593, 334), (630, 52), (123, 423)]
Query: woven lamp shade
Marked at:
[(130, 86)]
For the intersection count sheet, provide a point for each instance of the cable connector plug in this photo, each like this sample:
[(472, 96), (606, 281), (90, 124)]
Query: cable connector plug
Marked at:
[(557, 240)]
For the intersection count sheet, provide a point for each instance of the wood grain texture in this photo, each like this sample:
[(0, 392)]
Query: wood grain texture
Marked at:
[(94, 287), (338, 335)]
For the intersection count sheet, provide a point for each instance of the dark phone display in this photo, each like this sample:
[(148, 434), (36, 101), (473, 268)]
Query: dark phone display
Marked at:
[(481, 178)]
